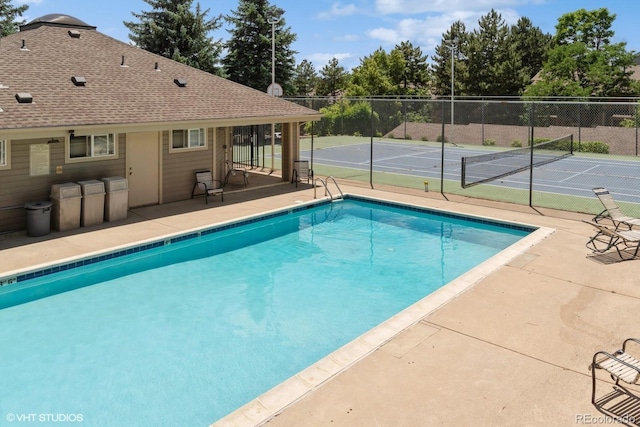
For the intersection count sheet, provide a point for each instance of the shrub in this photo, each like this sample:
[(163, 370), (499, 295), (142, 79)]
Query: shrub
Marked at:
[(391, 136), (516, 143), (408, 137), (594, 147), (439, 138), (424, 138), (489, 142), (627, 123)]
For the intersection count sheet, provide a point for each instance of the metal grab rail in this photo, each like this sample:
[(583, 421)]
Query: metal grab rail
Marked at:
[(326, 188)]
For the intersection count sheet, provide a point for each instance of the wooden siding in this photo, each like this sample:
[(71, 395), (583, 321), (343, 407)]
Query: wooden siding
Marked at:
[(178, 168), (17, 187)]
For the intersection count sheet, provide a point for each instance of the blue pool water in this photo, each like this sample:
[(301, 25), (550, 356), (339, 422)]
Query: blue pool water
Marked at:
[(184, 333)]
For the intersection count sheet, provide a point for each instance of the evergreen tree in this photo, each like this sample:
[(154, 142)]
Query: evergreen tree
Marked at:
[(531, 44), (455, 38), (8, 15), (493, 64), (333, 79), (305, 78), (173, 30), (249, 49), (415, 76)]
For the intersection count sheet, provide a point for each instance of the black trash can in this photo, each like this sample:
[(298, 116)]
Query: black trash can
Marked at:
[(38, 218)]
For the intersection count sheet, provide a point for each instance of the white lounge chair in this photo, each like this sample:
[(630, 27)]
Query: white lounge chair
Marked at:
[(207, 185), (301, 171), (612, 211), (607, 238), (620, 365)]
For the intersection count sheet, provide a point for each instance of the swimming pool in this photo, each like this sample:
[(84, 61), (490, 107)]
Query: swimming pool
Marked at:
[(117, 351)]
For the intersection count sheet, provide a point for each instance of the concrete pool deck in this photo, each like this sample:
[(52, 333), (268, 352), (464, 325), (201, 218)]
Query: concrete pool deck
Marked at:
[(513, 349)]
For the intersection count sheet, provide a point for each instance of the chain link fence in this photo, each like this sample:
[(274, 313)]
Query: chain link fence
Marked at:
[(419, 143)]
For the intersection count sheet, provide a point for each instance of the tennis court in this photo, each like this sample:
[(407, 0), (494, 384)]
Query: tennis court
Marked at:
[(573, 176)]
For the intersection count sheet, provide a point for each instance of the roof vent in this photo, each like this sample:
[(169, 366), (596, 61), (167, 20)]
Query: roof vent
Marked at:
[(157, 67), (24, 98), (24, 45), (122, 64), (180, 82), (74, 34), (79, 81)]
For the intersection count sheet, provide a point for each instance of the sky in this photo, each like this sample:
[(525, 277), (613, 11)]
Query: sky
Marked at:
[(351, 30)]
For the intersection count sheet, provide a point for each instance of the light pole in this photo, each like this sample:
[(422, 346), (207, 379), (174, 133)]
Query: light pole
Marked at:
[(450, 44), (273, 23)]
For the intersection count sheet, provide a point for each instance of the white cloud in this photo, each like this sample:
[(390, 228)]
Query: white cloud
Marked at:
[(338, 9), (408, 7), (428, 31), (322, 59)]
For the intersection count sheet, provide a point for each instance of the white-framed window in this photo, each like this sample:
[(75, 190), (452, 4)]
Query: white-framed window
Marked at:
[(5, 155), (91, 146), (184, 139)]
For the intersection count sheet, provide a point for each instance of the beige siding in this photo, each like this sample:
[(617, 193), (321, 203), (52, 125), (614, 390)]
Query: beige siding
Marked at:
[(178, 168), (17, 187)]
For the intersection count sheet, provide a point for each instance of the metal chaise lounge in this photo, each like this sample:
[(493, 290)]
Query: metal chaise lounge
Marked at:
[(232, 171), (207, 185), (612, 211), (607, 238), (620, 365)]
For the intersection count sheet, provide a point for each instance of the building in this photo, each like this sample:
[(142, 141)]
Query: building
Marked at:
[(78, 105)]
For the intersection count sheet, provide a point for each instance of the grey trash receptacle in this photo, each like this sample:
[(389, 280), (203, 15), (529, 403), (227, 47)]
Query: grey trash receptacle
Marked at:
[(92, 202), (116, 203), (38, 218), (66, 200)]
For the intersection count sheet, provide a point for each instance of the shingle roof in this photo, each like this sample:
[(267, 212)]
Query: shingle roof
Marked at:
[(122, 86)]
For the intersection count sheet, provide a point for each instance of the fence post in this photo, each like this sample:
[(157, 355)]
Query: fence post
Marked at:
[(442, 152), (533, 125), (371, 149)]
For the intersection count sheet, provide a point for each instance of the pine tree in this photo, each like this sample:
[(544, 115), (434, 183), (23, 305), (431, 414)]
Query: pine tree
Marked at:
[(249, 49), (415, 76), (305, 79), (333, 79), (173, 30), (8, 15)]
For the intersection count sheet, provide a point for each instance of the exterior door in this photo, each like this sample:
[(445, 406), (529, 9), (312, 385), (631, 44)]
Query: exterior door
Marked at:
[(143, 171)]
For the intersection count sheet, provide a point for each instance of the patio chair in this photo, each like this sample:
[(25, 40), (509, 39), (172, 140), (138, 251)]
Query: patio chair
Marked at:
[(301, 171), (620, 365), (207, 185), (607, 238), (612, 211), (233, 171)]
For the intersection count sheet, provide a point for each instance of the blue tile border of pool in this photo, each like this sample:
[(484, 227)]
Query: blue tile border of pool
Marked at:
[(218, 228)]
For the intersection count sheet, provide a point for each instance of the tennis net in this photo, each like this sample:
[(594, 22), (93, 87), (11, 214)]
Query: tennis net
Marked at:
[(488, 167)]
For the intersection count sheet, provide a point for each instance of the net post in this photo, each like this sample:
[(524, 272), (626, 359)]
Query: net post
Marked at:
[(571, 145), (463, 173)]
